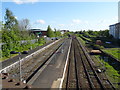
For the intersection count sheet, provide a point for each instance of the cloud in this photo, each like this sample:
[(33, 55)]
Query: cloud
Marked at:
[(115, 18), (71, 24), (61, 1), (76, 21), (40, 22), (61, 25), (86, 22), (108, 22), (24, 1)]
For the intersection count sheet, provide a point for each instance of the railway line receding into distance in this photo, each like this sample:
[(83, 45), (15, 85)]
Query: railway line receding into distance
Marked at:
[(75, 71), (80, 71)]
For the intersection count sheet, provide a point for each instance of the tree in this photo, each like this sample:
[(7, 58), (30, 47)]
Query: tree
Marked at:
[(58, 34), (24, 24), (106, 33), (1, 25), (12, 35), (50, 33), (10, 20)]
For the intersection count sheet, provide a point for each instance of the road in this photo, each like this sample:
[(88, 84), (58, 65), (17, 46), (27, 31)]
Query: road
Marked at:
[(50, 76)]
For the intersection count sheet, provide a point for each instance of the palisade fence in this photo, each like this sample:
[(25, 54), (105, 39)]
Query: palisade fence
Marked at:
[(22, 42)]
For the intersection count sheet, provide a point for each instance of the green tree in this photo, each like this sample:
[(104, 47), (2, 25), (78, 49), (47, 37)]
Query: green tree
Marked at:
[(10, 20), (50, 33), (12, 35), (57, 33), (1, 25)]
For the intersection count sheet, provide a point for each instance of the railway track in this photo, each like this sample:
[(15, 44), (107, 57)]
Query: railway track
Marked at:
[(80, 71), (101, 76), (30, 66), (71, 81)]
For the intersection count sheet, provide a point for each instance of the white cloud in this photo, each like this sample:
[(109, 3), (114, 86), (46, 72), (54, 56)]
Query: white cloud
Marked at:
[(65, 0), (108, 21), (71, 24), (76, 21), (61, 25), (24, 1), (40, 22), (115, 18), (86, 22)]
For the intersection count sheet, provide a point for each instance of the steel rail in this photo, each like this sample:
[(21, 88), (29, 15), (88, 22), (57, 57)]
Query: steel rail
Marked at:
[(88, 60)]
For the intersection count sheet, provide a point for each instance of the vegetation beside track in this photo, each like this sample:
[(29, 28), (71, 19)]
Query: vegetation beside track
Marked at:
[(115, 52), (16, 36), (112, 71), (112, 74)]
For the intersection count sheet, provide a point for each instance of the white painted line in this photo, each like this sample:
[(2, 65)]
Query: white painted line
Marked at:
[(56, 83), (63, 76)]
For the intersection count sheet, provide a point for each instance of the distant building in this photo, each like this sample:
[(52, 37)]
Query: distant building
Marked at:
[(64, 31), (39, 32), (115, 30), (119, 11), (117, 26), (112, 30)]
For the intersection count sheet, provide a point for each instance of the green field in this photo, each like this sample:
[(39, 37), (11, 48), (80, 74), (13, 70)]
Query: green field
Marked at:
[(115, 52)]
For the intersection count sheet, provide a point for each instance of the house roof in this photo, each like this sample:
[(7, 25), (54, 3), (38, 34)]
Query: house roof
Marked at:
[(37, 30)]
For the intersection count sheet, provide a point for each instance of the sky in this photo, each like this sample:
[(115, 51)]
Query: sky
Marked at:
[(73, 16)]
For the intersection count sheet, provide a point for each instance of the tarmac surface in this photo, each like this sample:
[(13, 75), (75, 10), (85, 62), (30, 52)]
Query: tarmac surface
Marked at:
[(51, 74)]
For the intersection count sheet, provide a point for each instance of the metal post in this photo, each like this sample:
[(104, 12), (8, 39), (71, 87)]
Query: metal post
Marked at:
[(20, 67)]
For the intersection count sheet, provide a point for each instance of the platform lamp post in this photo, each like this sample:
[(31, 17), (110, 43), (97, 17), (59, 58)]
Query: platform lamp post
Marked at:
[(24, 52)]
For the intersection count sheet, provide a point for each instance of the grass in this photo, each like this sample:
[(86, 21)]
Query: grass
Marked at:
[(82, 41), (88, 39), (111, 73), (5, 58), (115, 52)]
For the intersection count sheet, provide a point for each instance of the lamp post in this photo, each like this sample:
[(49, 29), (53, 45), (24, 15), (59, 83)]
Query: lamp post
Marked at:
[(20, 69), (20, 66)]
